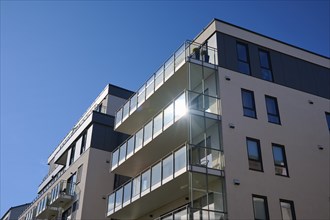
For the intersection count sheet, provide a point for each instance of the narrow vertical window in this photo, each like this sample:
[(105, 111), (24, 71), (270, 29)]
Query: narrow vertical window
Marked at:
[(281, 167), (327, 115), (260, 207), (266, 70), (243, 58), (83, 142), (79, 173), (272, 110), (287, 210), (73, 149), (71, 184), (249, 108), (254, 154)]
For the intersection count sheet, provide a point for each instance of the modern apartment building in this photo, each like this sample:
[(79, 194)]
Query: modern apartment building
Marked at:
[(234, 125), (78, 179)]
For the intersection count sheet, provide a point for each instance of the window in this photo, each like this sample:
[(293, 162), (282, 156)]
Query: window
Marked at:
[(145, 182), (130, 147), (115, 158), (158, 124), (136, 188), (155, 176), (167, 169), (281, 167), (180, 161), (266, 71), (127, 193), (71, 184), (73, 149), (168, 116), (119, 199), (260, 207), (83, 142), (79, 173), (138, 140), (122, 153), (147, 133), (327, 115), (272, 110), (254, 154), (249, 108), (243, 58), (111, 203), (287, 210)]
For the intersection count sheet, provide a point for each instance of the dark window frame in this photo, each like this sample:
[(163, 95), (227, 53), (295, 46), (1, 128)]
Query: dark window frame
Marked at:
[(247, 61), (266, 205), (269, 114), (72, 153), (259, 154), (253, 103), (284, 160), (83, 142), (327, 118), (291, 206), (267, 68)]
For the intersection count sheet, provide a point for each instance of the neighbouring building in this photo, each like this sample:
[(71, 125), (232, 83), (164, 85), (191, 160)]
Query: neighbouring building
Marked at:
[(14, 212), (78, 179), (234, 125)]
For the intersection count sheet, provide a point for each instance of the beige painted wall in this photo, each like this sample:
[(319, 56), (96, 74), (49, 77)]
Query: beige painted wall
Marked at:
[(303, 129), (98, 184)]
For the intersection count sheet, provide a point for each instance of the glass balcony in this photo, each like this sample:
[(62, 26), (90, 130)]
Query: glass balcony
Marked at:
[(167, 179), (44, 211), (157, 130), (187, 52), (62, 193), (188, 213), (159, 174)]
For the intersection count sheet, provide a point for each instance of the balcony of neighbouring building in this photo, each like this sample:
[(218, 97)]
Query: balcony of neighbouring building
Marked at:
[(44, 211), (155, 139), (168, 179), (62, 193), (171, 79)]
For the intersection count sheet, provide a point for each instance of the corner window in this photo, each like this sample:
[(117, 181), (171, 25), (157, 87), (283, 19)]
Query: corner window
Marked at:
[(266, 70), (249, 108), (243, 58), (281, 167), (73, 150), (327, 115), (254, 154), (287, 210), (260, 207), (83, 142), (272, 110)]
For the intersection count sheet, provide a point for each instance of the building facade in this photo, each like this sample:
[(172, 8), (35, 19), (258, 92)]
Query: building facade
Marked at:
[(78, 179), (14, 212), (235, 125)]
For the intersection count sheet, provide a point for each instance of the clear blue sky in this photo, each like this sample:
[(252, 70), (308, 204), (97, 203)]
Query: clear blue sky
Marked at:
[(56, 56)]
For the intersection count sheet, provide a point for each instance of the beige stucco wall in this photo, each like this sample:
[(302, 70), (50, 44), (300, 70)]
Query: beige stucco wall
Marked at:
[(303, 128), (98, 184)]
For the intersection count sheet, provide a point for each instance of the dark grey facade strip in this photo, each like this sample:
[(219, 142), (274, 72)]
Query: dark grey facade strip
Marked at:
[(287, 70)]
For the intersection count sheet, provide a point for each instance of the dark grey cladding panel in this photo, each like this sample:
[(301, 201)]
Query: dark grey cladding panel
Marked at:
[(287, 70), (103, 135), (120, 92)]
